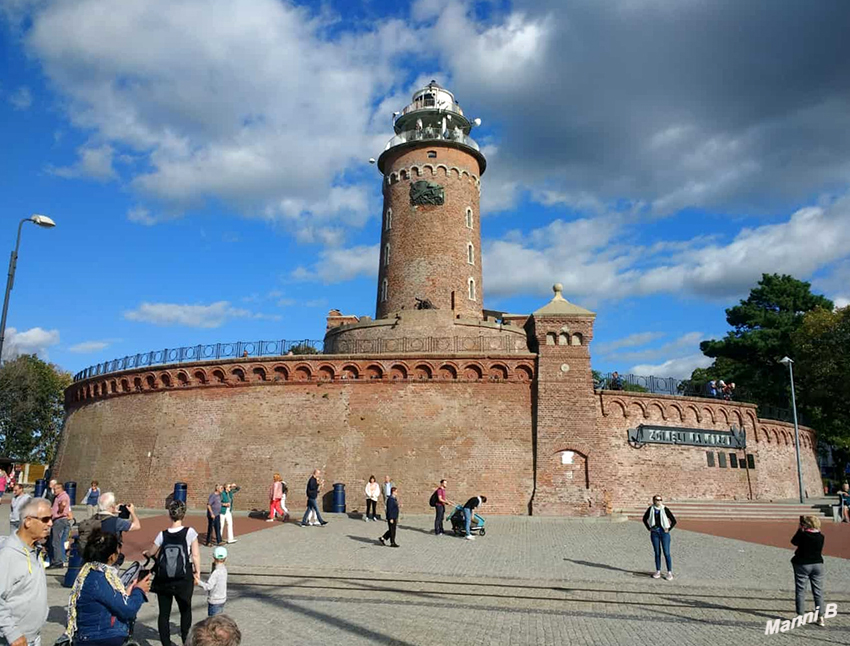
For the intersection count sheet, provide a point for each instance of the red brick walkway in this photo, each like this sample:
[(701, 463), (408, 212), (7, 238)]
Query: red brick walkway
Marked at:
[(777, 534), (135, 542)]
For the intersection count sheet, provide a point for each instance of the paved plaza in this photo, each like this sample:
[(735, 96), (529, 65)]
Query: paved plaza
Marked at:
[(528, 581)]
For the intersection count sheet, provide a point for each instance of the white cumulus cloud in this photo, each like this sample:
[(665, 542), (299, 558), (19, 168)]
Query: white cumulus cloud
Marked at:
[(33, 341), (680, 367), (200, 316)]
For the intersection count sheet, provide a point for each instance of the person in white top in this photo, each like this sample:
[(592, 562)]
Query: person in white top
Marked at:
[(373, 492)]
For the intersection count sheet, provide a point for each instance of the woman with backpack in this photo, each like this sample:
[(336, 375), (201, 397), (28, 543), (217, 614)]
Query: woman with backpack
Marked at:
[(177, 571)]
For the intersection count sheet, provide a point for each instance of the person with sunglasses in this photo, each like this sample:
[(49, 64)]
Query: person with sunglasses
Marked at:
[(23, 583), (659, 520)]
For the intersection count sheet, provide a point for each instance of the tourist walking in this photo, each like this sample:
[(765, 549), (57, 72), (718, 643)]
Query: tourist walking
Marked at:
[(276, 498), (177, 571), (91, 498), (216, 585), (392, 519), (469, 511), (440, 502), (659, 520), (228, 491), (23, 583), (3, 479), (100, 609), (808, 564), (373, 492), (844, 503), (214, 515), (19, 501), (313, 486), (62, 516)]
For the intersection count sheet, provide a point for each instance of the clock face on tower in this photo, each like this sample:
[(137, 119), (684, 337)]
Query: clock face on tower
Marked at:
[(423, 192)]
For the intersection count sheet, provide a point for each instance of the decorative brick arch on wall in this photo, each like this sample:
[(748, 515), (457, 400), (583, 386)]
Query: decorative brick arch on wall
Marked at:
[(285, 370)]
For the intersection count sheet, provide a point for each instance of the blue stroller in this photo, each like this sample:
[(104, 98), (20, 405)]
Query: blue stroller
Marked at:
[(459, 525)]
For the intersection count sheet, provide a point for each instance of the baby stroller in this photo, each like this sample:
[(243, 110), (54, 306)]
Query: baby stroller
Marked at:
[(459, 524)]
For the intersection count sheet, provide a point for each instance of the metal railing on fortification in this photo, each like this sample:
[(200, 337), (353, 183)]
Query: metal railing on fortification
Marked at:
[(203, 353)]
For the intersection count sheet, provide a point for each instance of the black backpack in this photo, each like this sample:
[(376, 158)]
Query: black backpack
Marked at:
[(86, 527), (434, 499), (172, 562)]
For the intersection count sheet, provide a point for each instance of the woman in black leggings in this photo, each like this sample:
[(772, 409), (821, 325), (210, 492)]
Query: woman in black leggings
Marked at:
[(177, 571)]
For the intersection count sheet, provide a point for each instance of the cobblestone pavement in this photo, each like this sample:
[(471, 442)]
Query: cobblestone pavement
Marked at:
[(528, 581)]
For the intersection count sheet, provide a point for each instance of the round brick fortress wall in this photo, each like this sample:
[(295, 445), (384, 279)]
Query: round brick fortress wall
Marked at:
[(415, 419), (483, 422), (429, 244)]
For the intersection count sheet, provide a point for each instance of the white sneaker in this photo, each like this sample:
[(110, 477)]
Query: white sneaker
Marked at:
[(470, 538), (657, 575), (669, 576), (315, 524), (821, 622), (233, 541), (270, 520), (366, 519)]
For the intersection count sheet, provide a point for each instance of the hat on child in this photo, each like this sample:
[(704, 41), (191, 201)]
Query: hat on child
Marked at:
[(220, 553)]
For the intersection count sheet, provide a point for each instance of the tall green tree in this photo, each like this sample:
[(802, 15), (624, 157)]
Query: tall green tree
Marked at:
[(763, 327), (822, 375), (31, 408)]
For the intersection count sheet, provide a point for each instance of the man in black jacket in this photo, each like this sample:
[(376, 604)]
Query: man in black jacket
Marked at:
[(313, 487), (659, 520), (392, 519)]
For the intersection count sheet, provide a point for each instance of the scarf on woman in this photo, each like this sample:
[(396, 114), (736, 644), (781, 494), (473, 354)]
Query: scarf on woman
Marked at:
[(111, 577), (665, 522)]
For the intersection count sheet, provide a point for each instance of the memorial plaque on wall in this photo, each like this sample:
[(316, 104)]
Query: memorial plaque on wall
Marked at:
[(648, 434)]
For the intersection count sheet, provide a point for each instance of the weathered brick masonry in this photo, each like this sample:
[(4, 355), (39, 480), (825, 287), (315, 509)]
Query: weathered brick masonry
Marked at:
[(498, 403)]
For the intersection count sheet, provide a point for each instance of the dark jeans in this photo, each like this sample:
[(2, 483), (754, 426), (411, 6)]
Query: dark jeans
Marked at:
[(661, 540), (390, 533), (184, 604), (214, 522), (373, 506), (438, 521), (114, 641), (311, 504), (802, 575), (214, 609), (58, 535)]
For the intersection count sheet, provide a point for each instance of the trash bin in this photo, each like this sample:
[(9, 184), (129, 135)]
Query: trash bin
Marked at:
[(338, 505), (71, 490), (75, 562), (40, 486), (181, 489)]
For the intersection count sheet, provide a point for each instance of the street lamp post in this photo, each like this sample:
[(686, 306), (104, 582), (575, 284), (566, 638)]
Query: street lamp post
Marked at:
[(42, 221), (787, 361)]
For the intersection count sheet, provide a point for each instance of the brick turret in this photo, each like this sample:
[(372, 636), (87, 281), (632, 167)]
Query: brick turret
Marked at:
[(565, 420)]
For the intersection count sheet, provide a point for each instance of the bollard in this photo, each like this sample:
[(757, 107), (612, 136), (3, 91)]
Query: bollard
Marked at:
[(338, 504), (180, 491), (71, 490)]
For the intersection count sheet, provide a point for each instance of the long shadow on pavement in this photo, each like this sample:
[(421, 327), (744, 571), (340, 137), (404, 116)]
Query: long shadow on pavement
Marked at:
[(603, 566)]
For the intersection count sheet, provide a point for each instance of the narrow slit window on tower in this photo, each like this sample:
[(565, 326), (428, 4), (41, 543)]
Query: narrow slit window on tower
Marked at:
[(468, 218), (386, 255), (432, 154), (470, 254), (384, 290), (472, 289), (389, 221)]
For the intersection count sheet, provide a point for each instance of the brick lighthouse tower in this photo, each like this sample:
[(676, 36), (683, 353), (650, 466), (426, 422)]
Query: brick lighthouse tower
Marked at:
[(430, 234)]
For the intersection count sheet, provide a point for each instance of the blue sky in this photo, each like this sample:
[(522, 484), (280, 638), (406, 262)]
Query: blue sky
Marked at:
[(206, 162)]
